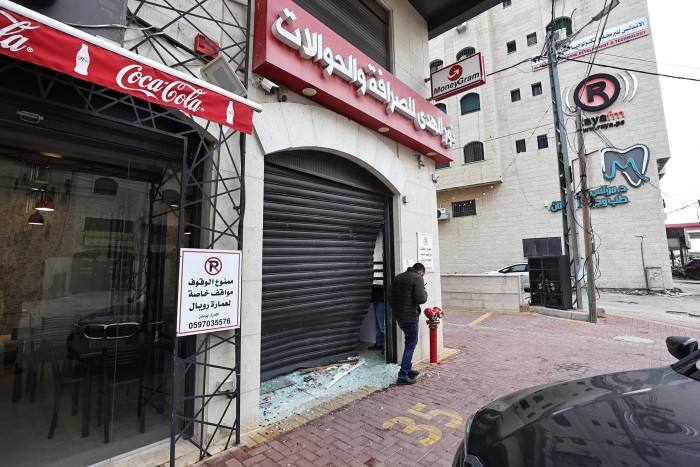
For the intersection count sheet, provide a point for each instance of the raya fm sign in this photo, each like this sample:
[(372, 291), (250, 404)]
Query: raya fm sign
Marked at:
[(466, 74), (294, 49)]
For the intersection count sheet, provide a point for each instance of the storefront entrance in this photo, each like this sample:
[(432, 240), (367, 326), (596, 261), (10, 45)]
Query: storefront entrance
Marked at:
[(85, 353), (322, 217), (88, 277)]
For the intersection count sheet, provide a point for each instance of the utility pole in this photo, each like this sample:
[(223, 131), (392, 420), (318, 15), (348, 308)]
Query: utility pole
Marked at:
[(586, 213), (568, 211)]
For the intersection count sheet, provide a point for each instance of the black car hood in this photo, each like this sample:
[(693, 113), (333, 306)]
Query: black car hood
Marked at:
[(637, 418)]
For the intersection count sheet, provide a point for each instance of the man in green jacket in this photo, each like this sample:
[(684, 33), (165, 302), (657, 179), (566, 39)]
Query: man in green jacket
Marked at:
[(405, 295)]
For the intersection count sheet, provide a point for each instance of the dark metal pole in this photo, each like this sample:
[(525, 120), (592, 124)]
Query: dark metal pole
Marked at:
[(586, 213), (568, 211)]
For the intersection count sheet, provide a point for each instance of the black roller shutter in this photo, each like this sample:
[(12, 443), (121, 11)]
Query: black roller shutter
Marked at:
[(363, 23), (318, 244)]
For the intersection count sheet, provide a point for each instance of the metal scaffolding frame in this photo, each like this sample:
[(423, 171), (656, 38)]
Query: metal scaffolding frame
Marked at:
[(203, 174)]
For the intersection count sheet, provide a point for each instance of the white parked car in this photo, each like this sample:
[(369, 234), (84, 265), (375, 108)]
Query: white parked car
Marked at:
[(517, 269)]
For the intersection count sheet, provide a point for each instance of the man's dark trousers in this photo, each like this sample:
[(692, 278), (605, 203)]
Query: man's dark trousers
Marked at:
[(410, 332)]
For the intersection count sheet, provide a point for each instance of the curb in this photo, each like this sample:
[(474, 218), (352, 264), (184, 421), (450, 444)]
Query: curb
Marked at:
[(568, 314)]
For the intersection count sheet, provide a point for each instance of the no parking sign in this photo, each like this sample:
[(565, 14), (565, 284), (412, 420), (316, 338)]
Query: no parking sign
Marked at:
[(209, 291)]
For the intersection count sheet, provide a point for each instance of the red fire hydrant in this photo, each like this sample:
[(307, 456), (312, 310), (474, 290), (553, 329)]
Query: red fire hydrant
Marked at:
[(433, 314)]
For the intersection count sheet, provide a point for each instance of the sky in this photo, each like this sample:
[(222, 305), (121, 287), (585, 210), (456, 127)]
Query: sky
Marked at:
[(673, 31)]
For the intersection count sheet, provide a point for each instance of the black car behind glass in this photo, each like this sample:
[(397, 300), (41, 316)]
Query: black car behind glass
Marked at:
[(647, 418), (692, 269)]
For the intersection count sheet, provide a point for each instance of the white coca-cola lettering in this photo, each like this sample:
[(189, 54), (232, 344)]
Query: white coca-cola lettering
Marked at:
[(11, 34), (178, 92), (188, 101)]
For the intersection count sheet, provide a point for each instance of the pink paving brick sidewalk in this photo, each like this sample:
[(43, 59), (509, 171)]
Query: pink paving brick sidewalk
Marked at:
[(422, 424)]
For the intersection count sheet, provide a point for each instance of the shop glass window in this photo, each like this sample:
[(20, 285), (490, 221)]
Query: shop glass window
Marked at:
[(442, 107), (464, 208), (536, 89), (515, 95), (532, 39), (510, 46), (474, 152), (542, 142), (442, 166), (466, 52), (469, 103), (520, 146), (97, 279)]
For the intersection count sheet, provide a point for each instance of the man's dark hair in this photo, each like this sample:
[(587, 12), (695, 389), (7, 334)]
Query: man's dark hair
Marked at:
[(418, 267)]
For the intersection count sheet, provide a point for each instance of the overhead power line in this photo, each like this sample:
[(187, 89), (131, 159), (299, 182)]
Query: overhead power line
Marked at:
[(605, 65)]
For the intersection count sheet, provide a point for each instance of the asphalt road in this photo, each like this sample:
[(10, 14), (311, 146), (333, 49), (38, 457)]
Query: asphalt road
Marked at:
[(671, 307)]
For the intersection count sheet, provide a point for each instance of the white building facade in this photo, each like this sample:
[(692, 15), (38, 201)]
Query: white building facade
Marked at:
[(503, 185)]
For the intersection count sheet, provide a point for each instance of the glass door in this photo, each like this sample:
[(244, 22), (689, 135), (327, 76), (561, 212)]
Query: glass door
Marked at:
[(88, 283)]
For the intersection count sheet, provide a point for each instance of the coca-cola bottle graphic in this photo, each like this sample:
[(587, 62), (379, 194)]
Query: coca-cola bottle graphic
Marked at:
[(82, 60), (229, 113)]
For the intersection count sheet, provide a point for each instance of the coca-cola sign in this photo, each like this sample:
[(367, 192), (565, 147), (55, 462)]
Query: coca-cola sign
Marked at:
[(28, 36), (11, 36), (132, 78)]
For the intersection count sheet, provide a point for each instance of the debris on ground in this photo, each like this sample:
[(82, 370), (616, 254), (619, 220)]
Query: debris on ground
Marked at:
[(303, 390)]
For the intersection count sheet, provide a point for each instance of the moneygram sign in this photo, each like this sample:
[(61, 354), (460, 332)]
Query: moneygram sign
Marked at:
[(466, 74)]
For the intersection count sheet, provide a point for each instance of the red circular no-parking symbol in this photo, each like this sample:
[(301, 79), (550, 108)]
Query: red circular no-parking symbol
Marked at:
[(455, 73), (213, 266)]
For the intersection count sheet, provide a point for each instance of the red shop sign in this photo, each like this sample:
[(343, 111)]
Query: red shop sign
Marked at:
[(31, 37), (295, 49)]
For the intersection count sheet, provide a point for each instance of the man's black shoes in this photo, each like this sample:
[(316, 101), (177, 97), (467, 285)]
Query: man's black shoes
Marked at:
[(375, 347), (406, 381), (414, 373)]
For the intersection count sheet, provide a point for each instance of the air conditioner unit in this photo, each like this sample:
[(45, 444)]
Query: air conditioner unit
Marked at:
[(462, 27), (442, 214)]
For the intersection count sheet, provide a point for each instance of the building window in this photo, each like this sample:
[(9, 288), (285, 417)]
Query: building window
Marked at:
[(542, 142), (442, 166), (442, 107), (363, 23), (469, 103), (435, 65), (511, 47), (520, 146), (105, 186), (466, 52), (474, 152), (515, 95), (562, 22), (536, 89), (506, 3), (464, 208), (532, 39)]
